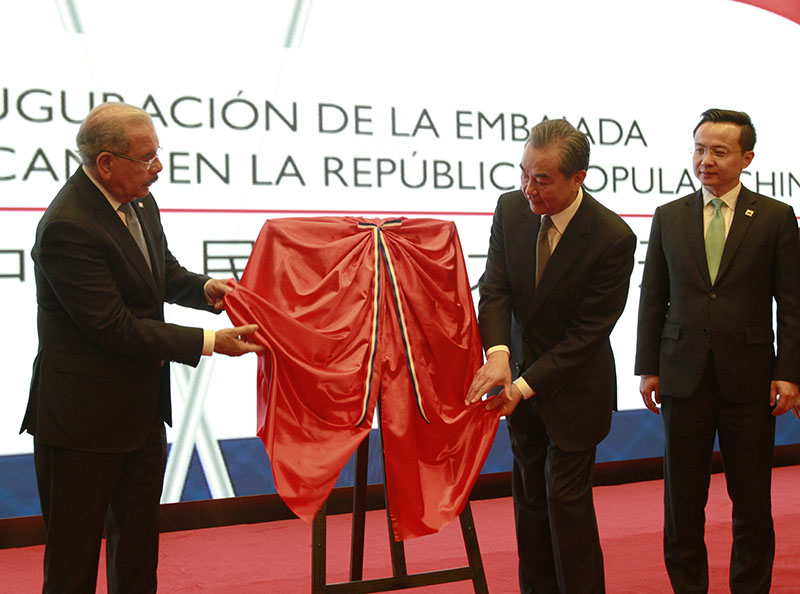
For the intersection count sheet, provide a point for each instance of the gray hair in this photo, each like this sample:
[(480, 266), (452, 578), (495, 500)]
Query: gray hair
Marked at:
[(572, 144), (106, 129)]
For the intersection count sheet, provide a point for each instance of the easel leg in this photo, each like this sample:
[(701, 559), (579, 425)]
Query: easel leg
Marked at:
[(359, 511), (319, 552), (400, 578), (473, 550), (396, 547)]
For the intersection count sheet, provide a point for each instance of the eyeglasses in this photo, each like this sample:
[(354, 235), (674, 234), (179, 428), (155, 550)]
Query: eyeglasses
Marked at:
[(148, 163), (716, 152)]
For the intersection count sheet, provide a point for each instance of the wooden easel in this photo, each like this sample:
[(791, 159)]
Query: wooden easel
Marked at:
[(400, 579)]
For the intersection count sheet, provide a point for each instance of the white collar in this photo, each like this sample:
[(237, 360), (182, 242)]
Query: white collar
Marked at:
[(729, 198), (115, 204), (562, 219)]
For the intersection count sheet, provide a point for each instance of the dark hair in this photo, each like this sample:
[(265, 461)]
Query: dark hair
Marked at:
[(747, 140), (572, 144)]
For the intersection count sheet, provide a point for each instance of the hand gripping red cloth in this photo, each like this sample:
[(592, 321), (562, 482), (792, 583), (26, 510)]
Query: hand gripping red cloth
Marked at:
[(352, 310)]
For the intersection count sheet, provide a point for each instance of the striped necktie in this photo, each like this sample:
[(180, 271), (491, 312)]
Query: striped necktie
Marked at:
[(132, 222)]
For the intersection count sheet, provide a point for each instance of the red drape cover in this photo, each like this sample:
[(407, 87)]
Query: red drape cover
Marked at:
[(352, 310)]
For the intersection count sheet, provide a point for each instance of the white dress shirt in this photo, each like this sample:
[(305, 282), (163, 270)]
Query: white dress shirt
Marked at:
[(726, 209)]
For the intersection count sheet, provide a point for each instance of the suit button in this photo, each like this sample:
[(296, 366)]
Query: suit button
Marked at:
[(713, 295), (705, 331)]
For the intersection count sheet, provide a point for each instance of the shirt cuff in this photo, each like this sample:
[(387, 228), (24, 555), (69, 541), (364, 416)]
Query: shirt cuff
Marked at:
[(523, 387), (209, 339), (521, 384), (498, 347)]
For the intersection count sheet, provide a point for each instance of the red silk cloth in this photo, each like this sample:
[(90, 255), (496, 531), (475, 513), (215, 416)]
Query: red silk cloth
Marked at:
[(352, 310)]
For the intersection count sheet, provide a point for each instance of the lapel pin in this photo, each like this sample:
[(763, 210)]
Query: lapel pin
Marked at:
[(749, 213)]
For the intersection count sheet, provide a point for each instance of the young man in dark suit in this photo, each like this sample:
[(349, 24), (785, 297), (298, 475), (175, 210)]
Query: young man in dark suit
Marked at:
[(556, 281), (716, 262), (99, 393)]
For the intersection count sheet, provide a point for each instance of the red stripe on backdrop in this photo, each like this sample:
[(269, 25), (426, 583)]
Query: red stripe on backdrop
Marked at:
[(415, 213), (789, 9), (318, 212)]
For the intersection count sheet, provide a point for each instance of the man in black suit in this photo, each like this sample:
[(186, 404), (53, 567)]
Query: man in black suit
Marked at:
[(556, 331), (715, 262), (99, 393)]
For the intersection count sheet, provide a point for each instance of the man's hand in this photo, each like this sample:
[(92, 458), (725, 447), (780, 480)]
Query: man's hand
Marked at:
[(495, 372), (648, 388), (507, 400), (215, 290), (235, 341), (784, 396)]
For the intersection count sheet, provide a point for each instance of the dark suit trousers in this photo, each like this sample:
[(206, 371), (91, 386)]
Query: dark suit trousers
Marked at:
[(746, 438), (83, 492), (557, 539)]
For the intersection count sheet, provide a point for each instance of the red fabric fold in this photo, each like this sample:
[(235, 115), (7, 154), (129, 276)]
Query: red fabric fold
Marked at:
[(350, 310)]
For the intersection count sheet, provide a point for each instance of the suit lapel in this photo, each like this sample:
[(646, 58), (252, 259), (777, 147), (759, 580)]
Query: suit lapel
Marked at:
[(110, 220), (744, 213), (143, 210), (569, 248), (694, 230), (529, 230)]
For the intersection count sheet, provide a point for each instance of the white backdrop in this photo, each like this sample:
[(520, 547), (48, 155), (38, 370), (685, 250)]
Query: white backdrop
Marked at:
[(416, 108)]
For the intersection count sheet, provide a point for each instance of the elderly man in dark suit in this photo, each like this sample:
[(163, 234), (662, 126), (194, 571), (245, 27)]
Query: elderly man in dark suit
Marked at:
[(556, 281), (716, 262), (99, 394)]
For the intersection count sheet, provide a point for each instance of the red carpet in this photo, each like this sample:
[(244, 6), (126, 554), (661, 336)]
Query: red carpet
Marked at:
[(276, 557)]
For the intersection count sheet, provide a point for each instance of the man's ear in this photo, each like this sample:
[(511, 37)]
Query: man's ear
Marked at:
[(104, 164)]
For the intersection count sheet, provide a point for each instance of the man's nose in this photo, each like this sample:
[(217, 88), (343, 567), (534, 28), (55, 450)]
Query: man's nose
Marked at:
[(529, 189), (708, 157)]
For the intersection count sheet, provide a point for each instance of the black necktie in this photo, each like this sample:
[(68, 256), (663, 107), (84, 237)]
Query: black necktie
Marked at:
[(132, 222), (543, 247)]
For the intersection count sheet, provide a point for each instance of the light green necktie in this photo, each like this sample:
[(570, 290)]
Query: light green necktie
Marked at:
[(715, 240)]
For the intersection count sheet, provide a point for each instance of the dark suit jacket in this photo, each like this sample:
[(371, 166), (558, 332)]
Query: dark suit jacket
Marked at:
[(101, 375), (559, 332), (682, 316)]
